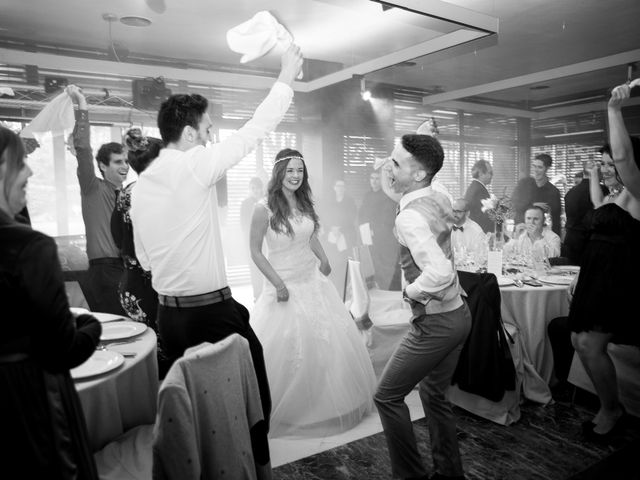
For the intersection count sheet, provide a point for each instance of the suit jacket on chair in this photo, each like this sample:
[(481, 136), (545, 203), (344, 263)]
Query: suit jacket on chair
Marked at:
[(485, 366)]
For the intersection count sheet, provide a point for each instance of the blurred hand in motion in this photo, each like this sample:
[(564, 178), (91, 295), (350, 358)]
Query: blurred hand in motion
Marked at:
[(621, 93), (291, 65)]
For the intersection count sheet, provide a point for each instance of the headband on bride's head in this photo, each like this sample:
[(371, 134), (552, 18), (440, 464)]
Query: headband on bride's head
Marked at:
[(290, 157)]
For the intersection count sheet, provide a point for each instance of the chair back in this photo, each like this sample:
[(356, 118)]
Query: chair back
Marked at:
[(204, 430), (362, 254)]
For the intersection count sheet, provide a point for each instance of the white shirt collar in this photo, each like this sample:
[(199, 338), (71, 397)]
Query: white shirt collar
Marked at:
[(408, 197)]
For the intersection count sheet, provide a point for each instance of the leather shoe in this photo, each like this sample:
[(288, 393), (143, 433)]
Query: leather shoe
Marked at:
[(439, 476)]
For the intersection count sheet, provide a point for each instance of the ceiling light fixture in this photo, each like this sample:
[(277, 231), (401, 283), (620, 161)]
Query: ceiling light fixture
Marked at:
[(135, 21), (364, 93)]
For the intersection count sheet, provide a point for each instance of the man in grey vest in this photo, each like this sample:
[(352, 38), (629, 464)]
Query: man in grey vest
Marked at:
[(428, 354)]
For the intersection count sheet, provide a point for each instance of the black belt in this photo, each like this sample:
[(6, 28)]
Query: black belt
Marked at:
[(195, 300), (106, 261)]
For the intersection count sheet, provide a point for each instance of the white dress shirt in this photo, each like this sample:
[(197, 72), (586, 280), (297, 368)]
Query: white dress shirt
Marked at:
[(546, 247), (174, 207), (471, 239)]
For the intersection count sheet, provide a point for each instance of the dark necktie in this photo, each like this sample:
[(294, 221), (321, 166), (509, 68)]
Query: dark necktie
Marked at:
[(455, 227)]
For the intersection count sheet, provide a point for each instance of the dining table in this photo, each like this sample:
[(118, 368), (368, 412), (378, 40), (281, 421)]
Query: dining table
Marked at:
[(118, 386), (530, 308)]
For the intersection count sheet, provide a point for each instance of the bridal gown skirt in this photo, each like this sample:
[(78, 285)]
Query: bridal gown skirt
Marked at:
[(320, 374)]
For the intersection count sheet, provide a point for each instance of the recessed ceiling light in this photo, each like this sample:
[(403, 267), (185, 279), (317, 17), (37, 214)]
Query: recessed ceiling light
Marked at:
[(135, 21), (539, 87)]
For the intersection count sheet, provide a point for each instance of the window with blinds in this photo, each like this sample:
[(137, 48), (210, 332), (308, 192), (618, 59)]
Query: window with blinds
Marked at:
[(359, 153)]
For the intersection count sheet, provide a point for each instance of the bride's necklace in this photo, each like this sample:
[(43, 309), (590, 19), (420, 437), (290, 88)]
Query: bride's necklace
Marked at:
[(614, 192)]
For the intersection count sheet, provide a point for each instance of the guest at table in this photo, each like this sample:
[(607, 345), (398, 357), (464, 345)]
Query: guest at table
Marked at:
[(40, 413), (467, 237), (532, 239), (538, 190), (609, 271), (137, 296)]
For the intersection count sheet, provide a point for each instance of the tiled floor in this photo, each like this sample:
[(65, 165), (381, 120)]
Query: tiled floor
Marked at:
[(285, 450)]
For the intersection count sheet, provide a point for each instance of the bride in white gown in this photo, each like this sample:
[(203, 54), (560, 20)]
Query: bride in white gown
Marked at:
[(319, 371)]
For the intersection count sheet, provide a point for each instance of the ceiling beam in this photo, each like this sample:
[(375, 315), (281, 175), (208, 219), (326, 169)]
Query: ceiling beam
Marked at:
[(481, 108), (543, 76)]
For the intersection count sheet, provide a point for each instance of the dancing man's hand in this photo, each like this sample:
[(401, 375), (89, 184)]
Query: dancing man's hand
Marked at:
[(621, 93), (282, 293), (291, 64)]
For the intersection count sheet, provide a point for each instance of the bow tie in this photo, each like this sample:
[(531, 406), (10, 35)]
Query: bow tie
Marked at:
[(455, 227)]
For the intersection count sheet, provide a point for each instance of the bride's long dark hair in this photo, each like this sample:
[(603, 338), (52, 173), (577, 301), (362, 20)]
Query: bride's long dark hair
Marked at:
[(278, 204)]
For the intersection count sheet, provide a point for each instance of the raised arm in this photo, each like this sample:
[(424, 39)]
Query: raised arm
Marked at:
[(212, 162), (82, 141), (595, 190), (259, 226), (621, 148)]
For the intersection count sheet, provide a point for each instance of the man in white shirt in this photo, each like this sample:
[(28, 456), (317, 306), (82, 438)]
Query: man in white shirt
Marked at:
[(174, 213), (467, 237), (531, 238), (441, 321)]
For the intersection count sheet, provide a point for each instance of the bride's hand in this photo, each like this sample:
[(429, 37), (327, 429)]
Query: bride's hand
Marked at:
[(325, 268), (282, 293)]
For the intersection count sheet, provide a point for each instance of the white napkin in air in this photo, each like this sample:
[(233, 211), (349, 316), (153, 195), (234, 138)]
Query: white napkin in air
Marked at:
[(257, 36), (56, 117)]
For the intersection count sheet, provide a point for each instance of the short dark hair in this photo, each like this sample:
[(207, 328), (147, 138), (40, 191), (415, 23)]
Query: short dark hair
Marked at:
[(536, 207), (606, 148), (179, 111), (104, 153), (426, 150), (544, 158), (480, 167), (12, 154)]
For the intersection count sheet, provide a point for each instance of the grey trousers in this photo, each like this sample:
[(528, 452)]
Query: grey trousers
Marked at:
[(427, 355)]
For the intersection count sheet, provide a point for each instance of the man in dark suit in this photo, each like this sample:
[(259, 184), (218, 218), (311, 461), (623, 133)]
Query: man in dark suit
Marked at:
[(577, 206), (482, 173)]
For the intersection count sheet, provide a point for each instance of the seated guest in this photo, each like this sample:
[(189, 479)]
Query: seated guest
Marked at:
[(467, 237), (531, 238), (40, 412)]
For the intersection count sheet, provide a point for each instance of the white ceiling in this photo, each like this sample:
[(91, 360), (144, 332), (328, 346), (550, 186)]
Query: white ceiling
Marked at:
[(577, 48)]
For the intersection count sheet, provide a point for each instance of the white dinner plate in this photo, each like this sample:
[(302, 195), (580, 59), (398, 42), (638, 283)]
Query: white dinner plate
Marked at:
[(101, 361), (119, 330), (107, 317), (78, 310), (556, 279), (504, 281)]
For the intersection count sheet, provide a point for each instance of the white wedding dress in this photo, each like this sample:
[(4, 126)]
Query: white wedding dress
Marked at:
[(320, 374)]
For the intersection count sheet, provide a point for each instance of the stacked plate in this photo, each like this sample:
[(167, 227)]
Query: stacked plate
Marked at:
[(556, 279)]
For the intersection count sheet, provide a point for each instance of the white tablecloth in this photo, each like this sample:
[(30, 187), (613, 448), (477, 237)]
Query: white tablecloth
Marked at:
[(125, 398), (531, 309)]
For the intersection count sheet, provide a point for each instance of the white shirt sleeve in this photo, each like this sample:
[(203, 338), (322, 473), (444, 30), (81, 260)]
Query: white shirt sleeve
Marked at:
[(437, 270), (210, 163)]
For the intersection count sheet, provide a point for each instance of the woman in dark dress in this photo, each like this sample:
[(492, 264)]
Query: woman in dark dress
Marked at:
[(137, 296), (40, 412), (606, 287)]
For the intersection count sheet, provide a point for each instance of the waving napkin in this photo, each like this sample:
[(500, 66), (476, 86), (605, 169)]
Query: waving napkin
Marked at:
[(257, 36), (56, 117)]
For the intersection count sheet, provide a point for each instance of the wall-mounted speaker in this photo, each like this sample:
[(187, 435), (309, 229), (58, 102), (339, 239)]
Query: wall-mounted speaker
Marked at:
[(149, 93)]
